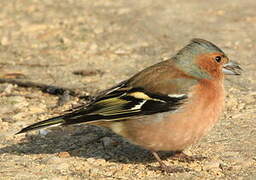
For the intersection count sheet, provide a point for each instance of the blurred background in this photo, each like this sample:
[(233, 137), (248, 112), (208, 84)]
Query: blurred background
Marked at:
[(90, 45)]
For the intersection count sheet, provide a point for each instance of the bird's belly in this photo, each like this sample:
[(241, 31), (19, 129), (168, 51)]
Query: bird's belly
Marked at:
[(175, 132)]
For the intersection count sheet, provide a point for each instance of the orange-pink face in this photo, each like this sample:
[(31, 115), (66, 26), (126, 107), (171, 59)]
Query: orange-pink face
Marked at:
[(217, 64)]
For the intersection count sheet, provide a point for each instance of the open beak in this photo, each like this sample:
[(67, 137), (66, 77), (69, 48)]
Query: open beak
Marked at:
[(232, 68)]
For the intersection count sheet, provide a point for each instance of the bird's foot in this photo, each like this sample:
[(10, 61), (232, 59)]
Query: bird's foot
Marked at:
[(167, 169), (182, 157)]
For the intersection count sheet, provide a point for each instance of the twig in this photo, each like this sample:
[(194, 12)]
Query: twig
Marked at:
[(54, 90), (31, 65)]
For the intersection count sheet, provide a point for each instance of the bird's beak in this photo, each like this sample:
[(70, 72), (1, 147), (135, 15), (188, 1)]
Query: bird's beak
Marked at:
[(232, 68)]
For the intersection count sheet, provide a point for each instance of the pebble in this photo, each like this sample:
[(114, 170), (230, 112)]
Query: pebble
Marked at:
[(93, 48), (121, 52), (90, 160), (101, 161), (63, 154), (5, 41), (65, 41), (43, 132), (107, 141), (8, 89)]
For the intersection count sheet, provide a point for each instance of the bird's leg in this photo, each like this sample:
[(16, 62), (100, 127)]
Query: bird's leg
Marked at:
[(166, 168), (182, 157), (162, 165)]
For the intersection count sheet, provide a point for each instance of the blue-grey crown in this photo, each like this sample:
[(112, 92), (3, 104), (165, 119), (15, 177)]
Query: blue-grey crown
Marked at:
[(198, 46)]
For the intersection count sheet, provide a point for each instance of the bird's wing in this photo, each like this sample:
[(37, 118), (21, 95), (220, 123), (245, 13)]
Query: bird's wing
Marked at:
[(124, 104)]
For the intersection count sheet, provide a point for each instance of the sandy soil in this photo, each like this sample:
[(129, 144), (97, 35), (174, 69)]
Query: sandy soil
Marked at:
[(46, 41)]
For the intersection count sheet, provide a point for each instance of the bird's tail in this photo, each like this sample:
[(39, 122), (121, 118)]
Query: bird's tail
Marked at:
[(56, 121)]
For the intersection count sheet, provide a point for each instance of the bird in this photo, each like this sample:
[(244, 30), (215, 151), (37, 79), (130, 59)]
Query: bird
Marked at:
[(165, 107)]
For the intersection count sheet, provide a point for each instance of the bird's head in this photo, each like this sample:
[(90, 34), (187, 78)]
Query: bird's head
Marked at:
[(204, 60)]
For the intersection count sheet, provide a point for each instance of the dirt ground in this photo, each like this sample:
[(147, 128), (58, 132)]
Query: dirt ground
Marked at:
[(45, 41)]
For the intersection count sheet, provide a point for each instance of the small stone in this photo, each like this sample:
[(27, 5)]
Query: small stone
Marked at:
[(8, 89), (121, 52), (107, 141), (93, 48), (5, 41), (65, 40), (91, 160), (101, 161), (43, 132), (63, 154), (220, 12)]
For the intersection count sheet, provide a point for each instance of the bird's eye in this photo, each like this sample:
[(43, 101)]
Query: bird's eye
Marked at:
[(218, 59)]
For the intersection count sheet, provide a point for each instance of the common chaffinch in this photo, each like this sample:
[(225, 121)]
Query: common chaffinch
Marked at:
[(165, 107)]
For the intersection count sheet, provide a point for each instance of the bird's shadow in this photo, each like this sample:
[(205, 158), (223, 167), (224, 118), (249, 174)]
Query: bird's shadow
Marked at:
[(87, 142)]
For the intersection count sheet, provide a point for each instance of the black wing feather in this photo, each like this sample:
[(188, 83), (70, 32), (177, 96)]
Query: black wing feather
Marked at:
[(156, 103)]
